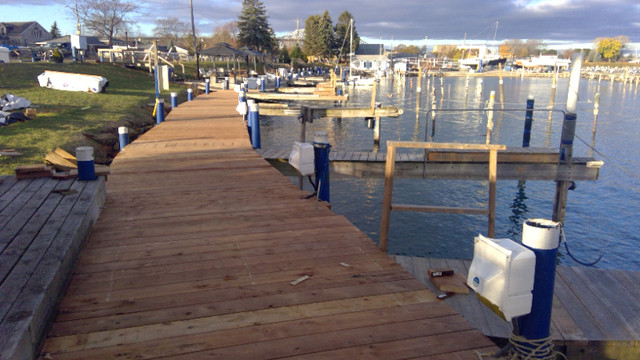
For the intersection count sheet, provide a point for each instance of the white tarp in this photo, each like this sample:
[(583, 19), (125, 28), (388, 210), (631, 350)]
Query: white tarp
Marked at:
[(4, 55), (72, 82), (12, 102)]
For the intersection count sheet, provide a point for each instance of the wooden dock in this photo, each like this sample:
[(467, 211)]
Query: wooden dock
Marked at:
[(514, 163), (595, 311), (204, 250), (43, 225)]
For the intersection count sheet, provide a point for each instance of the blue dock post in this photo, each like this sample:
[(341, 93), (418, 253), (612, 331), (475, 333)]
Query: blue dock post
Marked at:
[(190, 94), (123, 136), (543, 238), (254, 124), (278, 82), (321, 149), (174, 100), (226, 83), (262, 84), (86, 167), (207, 86), (528, 121), (160, 111), (344, 74)]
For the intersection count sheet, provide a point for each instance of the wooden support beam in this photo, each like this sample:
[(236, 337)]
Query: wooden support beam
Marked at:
[(439, 209)]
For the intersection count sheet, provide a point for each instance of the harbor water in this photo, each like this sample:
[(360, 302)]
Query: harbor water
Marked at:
[(601, 215)]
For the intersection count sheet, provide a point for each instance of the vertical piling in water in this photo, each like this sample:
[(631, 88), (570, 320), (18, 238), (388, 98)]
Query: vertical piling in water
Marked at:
[(543, 238), (123, 136), (528, 121), (596, 110), (492, 99), (501, 85), (321, 150), (566, 138)]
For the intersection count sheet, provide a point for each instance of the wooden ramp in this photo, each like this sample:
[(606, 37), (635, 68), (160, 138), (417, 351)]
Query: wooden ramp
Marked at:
[(596, 313), (205, 251)]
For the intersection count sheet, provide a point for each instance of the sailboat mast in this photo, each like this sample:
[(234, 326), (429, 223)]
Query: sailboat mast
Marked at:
[(350, 44)]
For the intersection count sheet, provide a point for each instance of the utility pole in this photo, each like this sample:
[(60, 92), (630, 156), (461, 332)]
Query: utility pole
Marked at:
[(195, 49)]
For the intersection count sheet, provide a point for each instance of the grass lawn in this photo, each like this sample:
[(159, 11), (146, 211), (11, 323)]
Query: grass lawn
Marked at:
[(63, 117)]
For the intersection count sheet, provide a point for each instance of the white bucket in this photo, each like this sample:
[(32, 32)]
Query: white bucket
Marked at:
[(541, 234)]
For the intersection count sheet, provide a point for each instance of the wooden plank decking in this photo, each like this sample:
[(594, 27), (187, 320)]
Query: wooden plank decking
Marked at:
[(595, 311), (43, 225), (196, 250)]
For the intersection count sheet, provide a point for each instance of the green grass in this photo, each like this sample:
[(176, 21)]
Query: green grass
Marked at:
[(63, 116)]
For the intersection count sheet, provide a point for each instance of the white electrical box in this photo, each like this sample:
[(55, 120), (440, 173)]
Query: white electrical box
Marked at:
[(501, 274), (302, 158), (79, 42)]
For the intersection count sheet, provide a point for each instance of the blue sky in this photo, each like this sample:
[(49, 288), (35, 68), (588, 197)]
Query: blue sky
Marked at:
[(392, 22)]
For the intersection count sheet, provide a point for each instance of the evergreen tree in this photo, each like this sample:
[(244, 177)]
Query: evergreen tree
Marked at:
[(55, 31), (326, 35), (296, 53), (311, 44), (253, 27), (283, 57), (343, 33)]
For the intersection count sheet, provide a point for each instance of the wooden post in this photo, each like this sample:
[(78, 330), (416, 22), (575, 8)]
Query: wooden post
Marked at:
[(385, 217), (528, 122), (566, 139), (493, 169), (501, 86), (373, 98), (376, 133), (307, 115), (492, 99), (418, 90)]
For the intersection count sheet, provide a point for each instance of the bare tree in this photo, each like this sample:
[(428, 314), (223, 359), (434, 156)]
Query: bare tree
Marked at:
[(226, 33), (170, 29), (105, 18)]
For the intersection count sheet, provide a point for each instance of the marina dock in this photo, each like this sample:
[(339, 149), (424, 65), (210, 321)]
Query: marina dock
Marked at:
[(204, 250), (594, 316)]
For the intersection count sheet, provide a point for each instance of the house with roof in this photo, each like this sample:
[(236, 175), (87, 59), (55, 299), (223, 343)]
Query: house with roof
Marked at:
[(370, 58), (22, 33)]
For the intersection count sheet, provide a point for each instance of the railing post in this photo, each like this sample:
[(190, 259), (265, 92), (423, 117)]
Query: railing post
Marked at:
[(493, 169)]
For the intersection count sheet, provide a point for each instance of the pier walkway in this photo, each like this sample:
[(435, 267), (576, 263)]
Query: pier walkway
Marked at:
[(204, 250)]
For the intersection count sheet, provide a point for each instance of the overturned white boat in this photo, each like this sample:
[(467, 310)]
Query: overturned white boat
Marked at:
[(72, 82)]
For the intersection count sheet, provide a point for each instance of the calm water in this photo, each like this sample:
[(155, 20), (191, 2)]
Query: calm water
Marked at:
[(601, 215)]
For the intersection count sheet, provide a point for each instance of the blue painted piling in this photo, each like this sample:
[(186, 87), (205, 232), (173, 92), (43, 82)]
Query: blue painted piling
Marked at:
[(277, 82), (207, 86), (543, 238), (254, 124), (190, 94), (123, 136), (321, 149), (528, 121), (157, 81), (174, 100), (262, 84), (86, 167), (160, 111), (226, 83)]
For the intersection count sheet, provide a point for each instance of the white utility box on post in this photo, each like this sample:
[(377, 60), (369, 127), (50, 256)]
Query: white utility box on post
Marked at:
[(302, 158), (501, 274)]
